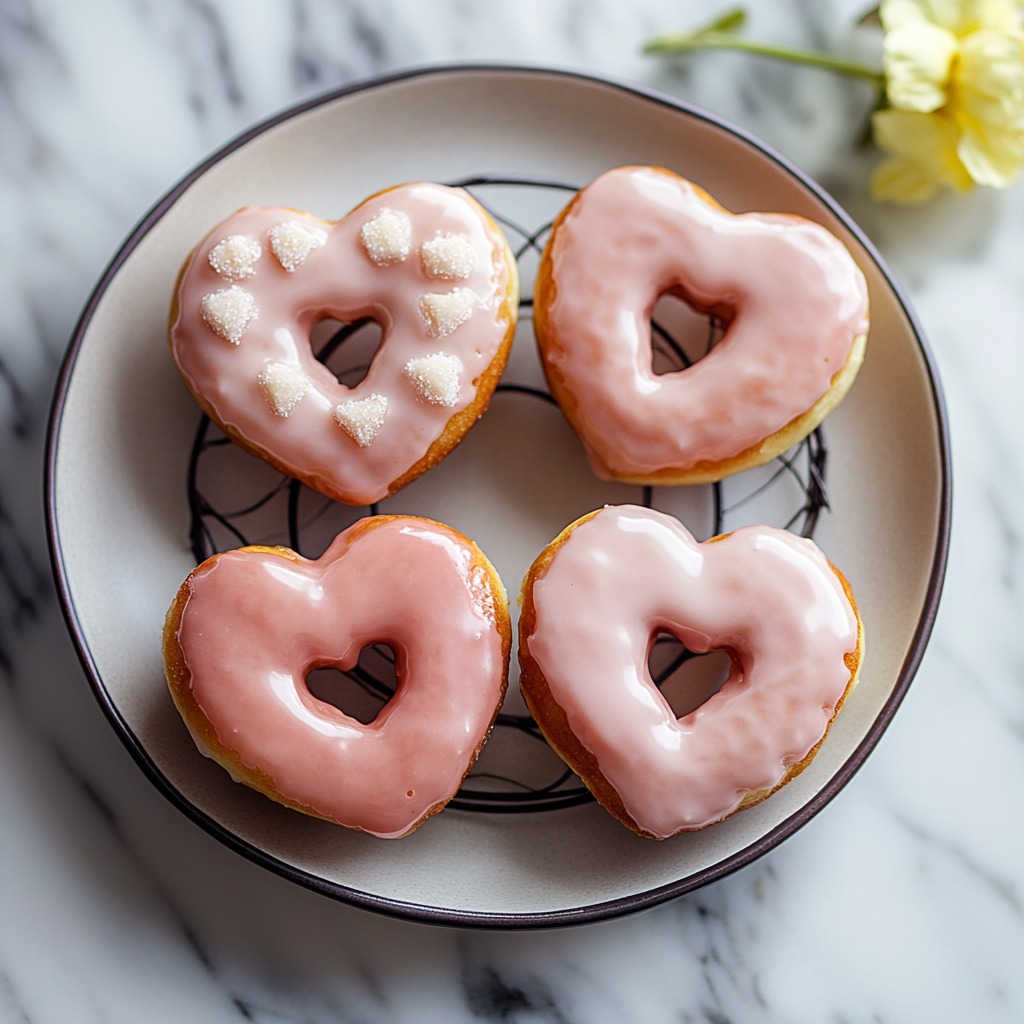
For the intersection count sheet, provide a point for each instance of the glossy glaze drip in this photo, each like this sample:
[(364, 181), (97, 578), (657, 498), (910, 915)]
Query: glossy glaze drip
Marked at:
[(768, 598), (796, 301), (255, 623), (309, 270)]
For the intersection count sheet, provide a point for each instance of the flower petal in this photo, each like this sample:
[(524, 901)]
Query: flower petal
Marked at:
[(1000, 15), (991, 65), (987, 106), (960, 17), (897, 14), (924, 143), (918, 61), (992, 155), (898, 180)]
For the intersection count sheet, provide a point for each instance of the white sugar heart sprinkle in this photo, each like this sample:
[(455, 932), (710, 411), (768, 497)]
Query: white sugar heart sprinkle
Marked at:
[(292, 242), (387, 238), (443, 312), (284, 385), (449, 257), (362, 418), (234, 258), (435, 378), (229, 312)]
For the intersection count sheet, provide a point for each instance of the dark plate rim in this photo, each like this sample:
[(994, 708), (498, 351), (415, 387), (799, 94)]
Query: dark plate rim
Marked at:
[(441, 915)]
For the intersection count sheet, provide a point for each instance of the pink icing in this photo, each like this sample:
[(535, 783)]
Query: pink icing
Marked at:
[(340, 280), (256, 623), (635, 234), (768, 598)]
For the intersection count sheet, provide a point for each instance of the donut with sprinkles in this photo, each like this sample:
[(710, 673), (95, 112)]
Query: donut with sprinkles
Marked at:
[(425, 262)]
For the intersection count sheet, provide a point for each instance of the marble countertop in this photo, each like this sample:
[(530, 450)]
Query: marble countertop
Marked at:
[(903, 900)]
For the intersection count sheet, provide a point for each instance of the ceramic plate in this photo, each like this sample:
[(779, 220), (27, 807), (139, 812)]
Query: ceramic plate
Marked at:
[(123, 457)]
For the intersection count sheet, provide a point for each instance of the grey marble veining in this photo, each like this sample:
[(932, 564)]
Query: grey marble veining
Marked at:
[(903, 901)]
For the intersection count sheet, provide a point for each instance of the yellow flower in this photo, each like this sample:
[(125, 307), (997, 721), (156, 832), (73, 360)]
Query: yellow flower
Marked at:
[(951, 90), (954, 74)]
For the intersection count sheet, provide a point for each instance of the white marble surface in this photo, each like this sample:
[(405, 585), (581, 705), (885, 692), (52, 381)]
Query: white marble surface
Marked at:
[(903, 901)]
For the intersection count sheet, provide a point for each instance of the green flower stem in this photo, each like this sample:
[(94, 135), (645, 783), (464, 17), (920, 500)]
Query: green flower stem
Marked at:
[(689, 42)]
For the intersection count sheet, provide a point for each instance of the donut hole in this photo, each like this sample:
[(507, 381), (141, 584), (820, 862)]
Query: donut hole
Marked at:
[(686, 680), (346, 349), (359, 692), (681, 334)]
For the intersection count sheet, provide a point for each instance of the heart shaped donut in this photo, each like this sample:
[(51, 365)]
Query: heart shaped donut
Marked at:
[(247, 626), (425, 262), (593, 603), (793, 302)]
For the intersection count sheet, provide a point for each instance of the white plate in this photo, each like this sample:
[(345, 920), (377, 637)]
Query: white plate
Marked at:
[(123, 427)]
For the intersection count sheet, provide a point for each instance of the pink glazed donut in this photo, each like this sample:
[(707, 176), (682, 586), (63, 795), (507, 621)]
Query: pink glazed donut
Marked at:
[(247, 626), (794, 305), (593, 603), (425, 262)]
